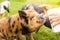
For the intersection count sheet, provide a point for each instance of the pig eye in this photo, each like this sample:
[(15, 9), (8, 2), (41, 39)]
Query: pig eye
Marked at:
[(31, 17), (27, 8)]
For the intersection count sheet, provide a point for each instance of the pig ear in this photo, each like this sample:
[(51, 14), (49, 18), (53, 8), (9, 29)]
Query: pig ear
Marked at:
[(45, 7), (6, 8), (21, 13)]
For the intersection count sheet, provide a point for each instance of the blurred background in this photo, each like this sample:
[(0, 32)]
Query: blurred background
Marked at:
[(44, 32)]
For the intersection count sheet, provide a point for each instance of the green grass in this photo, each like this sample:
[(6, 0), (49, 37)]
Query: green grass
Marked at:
[(44, 32)]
